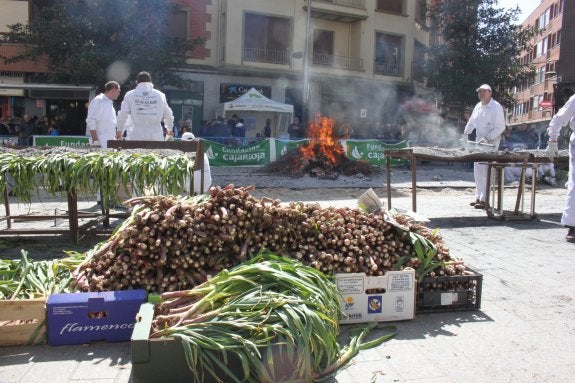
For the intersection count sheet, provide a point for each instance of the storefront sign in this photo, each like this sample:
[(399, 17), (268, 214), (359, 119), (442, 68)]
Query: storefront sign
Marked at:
[(61, 141), (229, 92), (11, 78), (222, 155)]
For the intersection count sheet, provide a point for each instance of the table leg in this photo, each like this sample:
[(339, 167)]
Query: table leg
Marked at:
[(488, 208), (73, 215), (413, 183), (533, 186), (500, 188), (388, 179), (7, 206)]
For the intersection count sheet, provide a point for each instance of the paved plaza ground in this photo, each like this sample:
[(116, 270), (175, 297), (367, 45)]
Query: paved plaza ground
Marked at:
[(523, 333)]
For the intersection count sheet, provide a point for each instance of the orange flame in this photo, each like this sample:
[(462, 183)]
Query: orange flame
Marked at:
[(320, 133)]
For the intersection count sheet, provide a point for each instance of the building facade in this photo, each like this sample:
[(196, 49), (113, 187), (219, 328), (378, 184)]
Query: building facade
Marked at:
[(537, 97), (359, 59)]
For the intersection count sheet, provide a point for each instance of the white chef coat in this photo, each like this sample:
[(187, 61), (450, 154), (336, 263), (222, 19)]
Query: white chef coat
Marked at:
[(147, 107), (102, 119), (566, 115)]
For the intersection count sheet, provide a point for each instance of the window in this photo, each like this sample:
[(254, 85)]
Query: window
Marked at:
[(540, 75), (391, 6), (266, 38), (388, 54), (178, 25), (418, 61), (420, 11), (323, 42), (544, 18)]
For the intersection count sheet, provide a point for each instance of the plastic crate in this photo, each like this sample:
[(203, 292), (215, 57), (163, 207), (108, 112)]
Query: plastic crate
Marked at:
[(449, 293)]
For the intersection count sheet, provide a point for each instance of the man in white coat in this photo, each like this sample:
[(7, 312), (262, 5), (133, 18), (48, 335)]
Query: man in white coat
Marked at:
[(101, 119), (565, 115), (148, 108), (488, 121)]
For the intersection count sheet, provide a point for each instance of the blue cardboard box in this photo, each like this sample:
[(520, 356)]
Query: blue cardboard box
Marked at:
[(78, 318)]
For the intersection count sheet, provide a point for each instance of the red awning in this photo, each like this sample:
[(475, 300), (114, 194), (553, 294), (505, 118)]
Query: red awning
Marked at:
[(545, 104)]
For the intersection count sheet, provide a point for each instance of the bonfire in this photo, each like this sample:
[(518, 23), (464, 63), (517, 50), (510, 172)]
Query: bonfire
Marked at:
[(323, 157)]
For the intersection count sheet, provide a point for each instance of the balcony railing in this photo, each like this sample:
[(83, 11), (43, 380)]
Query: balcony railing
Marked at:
[(388, 68), (272, 56), (341, 62), (346, 3)]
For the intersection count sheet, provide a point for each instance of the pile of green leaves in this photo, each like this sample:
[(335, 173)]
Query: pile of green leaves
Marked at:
[(272, 316), (85, 170), (29, 279)]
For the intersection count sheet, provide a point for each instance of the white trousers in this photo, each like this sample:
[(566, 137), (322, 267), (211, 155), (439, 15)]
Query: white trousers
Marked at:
[(480, 176), (568, 217), (105, 135)]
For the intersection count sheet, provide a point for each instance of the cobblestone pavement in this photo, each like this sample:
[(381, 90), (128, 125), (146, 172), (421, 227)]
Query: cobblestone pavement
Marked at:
[(523, 333)]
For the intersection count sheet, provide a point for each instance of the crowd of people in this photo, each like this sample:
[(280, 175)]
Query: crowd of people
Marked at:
[(27, 126)]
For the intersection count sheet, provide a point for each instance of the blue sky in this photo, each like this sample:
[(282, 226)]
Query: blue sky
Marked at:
[(527, 6)]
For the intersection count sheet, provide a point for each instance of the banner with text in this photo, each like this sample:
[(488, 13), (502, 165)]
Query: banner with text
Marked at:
[(250, 155), (61, 141), (372, 151)]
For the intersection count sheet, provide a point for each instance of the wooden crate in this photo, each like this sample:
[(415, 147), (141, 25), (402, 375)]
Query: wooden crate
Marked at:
[(22, 321)]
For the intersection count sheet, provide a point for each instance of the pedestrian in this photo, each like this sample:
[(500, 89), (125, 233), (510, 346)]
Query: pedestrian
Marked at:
[(148, 108), (267, 132), (240, 132), (25, 130), (565, 115), (101, 120), (488, 121), (296, 130), (221, 130)]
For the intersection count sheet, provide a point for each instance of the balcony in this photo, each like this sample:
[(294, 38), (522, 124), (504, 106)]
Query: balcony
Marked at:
[(341, 62), (271, 56), (346, 3), (387, 68), (345, 11)]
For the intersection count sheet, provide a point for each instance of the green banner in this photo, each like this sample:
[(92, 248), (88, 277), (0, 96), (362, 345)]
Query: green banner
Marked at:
[(284, 146), (372, 151), (223, 155), (61, 141)]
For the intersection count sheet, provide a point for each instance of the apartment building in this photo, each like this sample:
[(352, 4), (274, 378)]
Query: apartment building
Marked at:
[(537, 97), (360, 59)]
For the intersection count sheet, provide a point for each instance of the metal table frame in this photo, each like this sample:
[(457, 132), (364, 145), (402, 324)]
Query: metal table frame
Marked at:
[(496, 158)]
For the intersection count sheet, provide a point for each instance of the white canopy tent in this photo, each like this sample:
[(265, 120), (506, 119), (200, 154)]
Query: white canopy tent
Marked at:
[(255, 108)]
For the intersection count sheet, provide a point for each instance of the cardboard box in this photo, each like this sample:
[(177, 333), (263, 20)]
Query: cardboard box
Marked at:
[(163, 359), (79, 318), (450, 293), (389, 297), (22, 322)]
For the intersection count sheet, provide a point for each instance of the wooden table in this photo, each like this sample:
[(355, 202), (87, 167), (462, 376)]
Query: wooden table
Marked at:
[(73, 214)]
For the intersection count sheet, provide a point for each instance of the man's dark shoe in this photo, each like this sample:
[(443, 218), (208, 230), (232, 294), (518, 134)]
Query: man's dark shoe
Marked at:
[(474, 202), (570, 235), (480, 205)]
